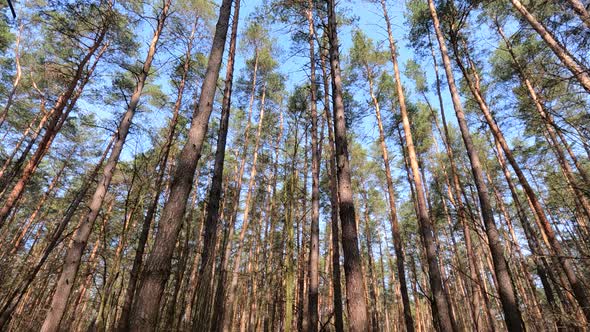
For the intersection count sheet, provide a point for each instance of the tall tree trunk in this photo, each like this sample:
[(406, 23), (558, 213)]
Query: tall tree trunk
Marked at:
[(507, 294), (355, 298), (288, 232), (30, 220), (373, 302), (219, 314), (455, 198), (115, 271), (334, 213), (443, 306), (314, 242), (80, 237), (123, 324), (179, 274), (83, 289), (204, 289), (21, 290), (396, 235), (383, 285), (157, 270), (302, 229), (550, 127), (270, 253)]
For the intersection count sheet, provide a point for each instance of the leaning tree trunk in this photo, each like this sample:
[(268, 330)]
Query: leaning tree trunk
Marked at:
[(204, 289), (20, 291), (573, 65), (231, 302), (457, 201), (157, 270), (123, 324), (507, 294), (579, 291), (219, 314), (58, 114), (74, 253)]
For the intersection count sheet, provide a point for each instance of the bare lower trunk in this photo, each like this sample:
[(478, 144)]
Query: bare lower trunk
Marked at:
[(355, 290), (314, 244), (42, 201), (334, 213), (218, 315), (566, 264), (19, 292), (373, 293), (396, 235), (123, 324)]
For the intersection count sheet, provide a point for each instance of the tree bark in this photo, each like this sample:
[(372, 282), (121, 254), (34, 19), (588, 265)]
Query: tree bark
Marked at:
[(396, 235), (245, 222), (219, 314), (18, 240), (373, 293), (334, 213), (158, 265), (355, 290), (21, 290), (204, 290), (579, 8), (457, 201), (314, 244), (123, 324)]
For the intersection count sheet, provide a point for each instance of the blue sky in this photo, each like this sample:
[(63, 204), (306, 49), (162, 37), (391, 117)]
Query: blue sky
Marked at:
[(293, 66)]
